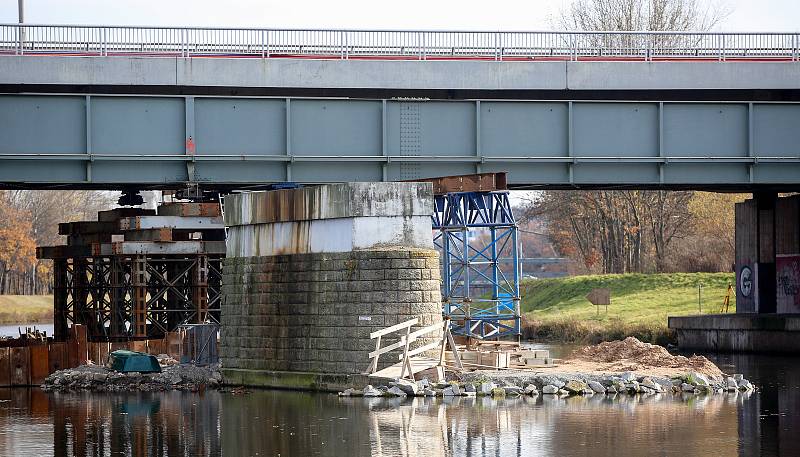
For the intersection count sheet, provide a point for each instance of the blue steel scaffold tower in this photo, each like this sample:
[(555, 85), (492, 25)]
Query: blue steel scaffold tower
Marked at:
[(476, 235)]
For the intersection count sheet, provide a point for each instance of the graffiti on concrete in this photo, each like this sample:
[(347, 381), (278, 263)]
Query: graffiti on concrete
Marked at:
[(788, 293)]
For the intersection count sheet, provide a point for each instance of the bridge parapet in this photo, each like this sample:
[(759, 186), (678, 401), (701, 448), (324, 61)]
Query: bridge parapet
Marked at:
[(105, 40)]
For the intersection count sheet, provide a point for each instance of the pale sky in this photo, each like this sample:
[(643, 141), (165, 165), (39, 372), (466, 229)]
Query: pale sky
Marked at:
[(747, 15)]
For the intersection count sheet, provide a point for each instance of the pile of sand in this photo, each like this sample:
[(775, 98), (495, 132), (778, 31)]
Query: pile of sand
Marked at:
[(631, 354)]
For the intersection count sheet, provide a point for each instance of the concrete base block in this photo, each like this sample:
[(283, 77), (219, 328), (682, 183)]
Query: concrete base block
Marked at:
[(738, 332), (294, 380)]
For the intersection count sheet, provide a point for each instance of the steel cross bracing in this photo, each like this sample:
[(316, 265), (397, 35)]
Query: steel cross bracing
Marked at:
[(119, 297), (476, 235)]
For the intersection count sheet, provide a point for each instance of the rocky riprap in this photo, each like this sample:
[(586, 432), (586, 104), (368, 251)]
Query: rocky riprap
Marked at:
[(99, 378), (483, 384)]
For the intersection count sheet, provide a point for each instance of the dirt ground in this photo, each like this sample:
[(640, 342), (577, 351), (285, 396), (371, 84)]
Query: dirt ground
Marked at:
[(633, 355)]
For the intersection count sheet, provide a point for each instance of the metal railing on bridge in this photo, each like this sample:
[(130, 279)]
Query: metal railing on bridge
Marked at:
[(95, 40)]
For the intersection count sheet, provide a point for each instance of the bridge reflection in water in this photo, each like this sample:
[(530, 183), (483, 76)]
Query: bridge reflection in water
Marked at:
[(33, 422)]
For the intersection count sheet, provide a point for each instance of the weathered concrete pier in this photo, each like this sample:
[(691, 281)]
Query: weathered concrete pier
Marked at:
[(310, 272), (767, 315)]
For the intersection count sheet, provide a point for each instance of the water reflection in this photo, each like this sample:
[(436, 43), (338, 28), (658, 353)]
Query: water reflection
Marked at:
[(297, 424)]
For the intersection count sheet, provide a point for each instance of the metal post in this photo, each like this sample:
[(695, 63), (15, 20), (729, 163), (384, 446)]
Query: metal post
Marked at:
[(21, 17)]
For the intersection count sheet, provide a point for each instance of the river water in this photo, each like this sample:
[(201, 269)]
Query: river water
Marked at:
[(272, 423)]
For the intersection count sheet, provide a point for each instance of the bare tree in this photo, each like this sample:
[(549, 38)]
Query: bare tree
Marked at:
[(643, 15)]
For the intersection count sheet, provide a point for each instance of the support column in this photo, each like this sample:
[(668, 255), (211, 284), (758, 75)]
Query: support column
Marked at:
[(139, 280), (60, 302), (766, 280), (200, 289)]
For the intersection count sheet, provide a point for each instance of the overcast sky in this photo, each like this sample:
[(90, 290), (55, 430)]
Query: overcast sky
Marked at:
[(747, 15)]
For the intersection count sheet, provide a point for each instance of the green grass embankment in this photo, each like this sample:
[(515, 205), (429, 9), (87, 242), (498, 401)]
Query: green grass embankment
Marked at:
[(557, 309), (26, 309)]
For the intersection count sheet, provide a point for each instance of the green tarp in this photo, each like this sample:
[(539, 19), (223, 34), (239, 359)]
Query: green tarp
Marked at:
[(127, 361)]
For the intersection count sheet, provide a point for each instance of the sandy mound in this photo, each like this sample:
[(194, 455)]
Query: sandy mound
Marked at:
[(631, 354)]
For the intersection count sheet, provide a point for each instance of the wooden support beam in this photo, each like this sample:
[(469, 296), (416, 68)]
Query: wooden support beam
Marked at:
[(116, 214)]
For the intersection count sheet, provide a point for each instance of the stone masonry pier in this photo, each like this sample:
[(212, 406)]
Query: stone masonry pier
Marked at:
[(311, 272)]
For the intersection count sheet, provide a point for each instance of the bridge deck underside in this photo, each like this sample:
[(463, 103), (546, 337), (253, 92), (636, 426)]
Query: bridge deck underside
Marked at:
[(111, 141)]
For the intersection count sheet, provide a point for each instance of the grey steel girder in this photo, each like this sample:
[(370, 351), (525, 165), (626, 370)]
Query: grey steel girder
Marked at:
[(113, 141)]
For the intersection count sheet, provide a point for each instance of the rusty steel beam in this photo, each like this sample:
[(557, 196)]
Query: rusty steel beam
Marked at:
[(178, 222), (481, 182), (190, 209)]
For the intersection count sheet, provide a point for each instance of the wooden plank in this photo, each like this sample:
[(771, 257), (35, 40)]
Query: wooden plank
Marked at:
[(57, 357), (421, 349), (391, 347), (87, 227), (87, 239), (119, 346), (20, 366), (163, 234), (417, 364), (62, 252), (116, 214), (39, 363), (394, 328), (5, 367)]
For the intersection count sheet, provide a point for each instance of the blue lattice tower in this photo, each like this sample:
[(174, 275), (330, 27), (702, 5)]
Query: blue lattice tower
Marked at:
[(476, 235)]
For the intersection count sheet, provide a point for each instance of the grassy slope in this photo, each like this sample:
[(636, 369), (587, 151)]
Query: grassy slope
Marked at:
[(557, 309), (23, 309)]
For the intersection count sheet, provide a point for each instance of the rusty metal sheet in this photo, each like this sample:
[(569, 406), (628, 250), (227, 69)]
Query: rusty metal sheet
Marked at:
[(102, 353), (20, 366), (599, 297), (174, 343), (72, 354), (40, 363), (57, 357), (189, 209), (5, 367), (79, 333), (139, 346), (481, 182), (155, 347)]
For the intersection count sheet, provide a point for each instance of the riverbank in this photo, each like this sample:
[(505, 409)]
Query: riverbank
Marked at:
[(30, 309), (556, 310), (615, 367)]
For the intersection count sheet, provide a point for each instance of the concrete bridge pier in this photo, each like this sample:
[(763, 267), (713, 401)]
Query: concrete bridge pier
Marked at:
[(310, 272), (767, 315)]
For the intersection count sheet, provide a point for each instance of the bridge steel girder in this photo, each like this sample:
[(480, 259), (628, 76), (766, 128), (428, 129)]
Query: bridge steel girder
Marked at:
[(114, 141)]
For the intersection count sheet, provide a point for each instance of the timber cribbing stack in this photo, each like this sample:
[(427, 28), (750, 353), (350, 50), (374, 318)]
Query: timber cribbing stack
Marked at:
[(138, 274)]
